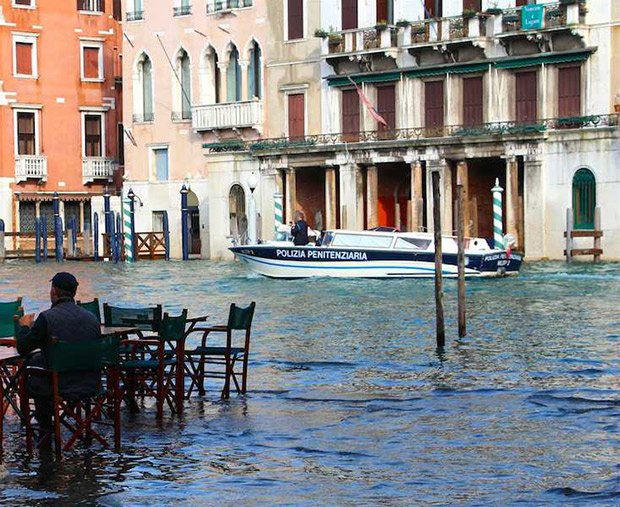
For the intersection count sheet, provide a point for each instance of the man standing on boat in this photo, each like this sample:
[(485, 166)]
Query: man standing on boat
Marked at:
[(299, 231)]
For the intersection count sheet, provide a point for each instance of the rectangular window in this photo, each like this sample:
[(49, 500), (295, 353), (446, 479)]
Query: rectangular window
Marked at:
[(23, 55), (434, 110), (525, 97), (296, 115), (158, 221), (349, 14), (295, 19), (569, 92), (26, 133), (385, 11), (433, 9), (23, 3), (161, 163), (91, 5), (472, 5), (92, 135), (472, 101), (386, 106), (92, 61), (350, 115)]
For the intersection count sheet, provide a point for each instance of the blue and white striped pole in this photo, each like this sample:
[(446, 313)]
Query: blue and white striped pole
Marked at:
[(128, 238), (498, 233), (95, 236), (278, 210)]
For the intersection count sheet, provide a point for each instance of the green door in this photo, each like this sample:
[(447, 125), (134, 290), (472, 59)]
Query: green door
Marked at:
[(584, 199)]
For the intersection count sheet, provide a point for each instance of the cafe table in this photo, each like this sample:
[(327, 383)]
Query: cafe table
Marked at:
[(11, 364)]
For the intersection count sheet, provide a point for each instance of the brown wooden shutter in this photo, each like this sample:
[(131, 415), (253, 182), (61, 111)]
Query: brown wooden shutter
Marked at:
[(433, 9), (25, 134), (433, 92), (521, 3), (295, 19), (23, 56), (386, 105), (91, 63), (350, 114), (382, 10), (526, 94), (349, 14), (569, 93), (92, 131), (474, 5), (296, 113), (472, 101)]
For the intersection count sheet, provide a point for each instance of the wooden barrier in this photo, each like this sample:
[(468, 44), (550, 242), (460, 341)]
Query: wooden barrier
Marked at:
[(150, 245), (572, 233)]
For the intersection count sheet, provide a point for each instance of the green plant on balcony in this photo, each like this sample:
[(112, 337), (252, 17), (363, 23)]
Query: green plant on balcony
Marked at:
[(571, 2), (381, 25), (403, 23), (418, 29), (335, 39), (469, 13), (493, 11), (319, 32)]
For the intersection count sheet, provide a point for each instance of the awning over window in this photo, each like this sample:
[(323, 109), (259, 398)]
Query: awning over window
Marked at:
[(49, 196)]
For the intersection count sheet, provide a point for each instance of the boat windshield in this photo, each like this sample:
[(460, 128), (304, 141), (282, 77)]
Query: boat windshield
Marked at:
[(361, 240), (412, 243)]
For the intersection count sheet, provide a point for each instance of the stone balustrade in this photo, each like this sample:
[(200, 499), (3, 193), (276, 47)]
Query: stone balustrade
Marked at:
[(246, 114), (30, 167)]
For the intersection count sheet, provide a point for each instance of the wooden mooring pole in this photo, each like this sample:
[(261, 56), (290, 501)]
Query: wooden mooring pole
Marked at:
[(441, 331), (460, 240)]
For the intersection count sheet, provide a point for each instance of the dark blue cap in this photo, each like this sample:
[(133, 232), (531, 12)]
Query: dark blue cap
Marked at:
[(65, 281)]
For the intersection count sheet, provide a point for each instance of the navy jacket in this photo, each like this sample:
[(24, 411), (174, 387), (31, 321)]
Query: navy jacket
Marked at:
[(299, 231)]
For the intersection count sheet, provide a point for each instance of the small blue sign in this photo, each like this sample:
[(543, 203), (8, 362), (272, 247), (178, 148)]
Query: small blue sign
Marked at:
[(532, 17)]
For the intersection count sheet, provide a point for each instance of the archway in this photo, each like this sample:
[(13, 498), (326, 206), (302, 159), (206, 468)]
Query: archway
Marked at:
[(237, 214), (584, 199), (193, 212)]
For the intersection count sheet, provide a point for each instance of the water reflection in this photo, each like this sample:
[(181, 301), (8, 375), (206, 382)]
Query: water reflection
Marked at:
[(350, 402)]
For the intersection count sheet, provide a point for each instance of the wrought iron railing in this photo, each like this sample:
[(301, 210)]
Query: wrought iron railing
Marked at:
[(182, 10), (226, 5), (506, 128), (134, 15)]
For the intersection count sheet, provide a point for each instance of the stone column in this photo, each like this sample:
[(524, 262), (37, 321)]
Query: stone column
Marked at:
[(372, 197), (446, 194), (534, 210), (291, 195), (331, 206), (37, 209), (244, 64), (512, 197), (223, 66), (350, 197), (462, 178), (416, 216), (82, 217)]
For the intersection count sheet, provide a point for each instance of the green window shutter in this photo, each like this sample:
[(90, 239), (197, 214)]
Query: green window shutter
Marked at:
[(584, 199)]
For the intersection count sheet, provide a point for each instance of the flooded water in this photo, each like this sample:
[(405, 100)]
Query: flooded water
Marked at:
[(349, 402)]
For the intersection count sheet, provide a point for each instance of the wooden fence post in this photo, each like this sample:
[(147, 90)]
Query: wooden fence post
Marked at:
[(569, 234), (2, 249), (441, 332), (460, 238), (597, 238)]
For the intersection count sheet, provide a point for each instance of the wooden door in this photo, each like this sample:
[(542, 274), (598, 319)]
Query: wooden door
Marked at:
[(472, 101), (296, 116), (349, 14), (350, 115), (434, 110), (569, 92), (386, 106), (526, 97), (385, 11)]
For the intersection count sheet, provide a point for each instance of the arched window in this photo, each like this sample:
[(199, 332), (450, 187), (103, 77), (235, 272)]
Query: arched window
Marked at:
[(254, 72), (238, 218), (584, 199), (233, 77), (209, 77), (186, 87), (143, 90)]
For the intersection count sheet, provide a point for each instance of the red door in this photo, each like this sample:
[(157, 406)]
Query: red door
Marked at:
[(296, 116), (569, 93), (350, 115), (433, 114), (526, 101), (349, 14), (472, 101)]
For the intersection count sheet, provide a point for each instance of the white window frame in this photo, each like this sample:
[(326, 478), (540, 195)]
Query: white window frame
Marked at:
[(92, 44), (304, 31), (33, 5), (37, 132), (153, 161), (83, 114), (26, 38)]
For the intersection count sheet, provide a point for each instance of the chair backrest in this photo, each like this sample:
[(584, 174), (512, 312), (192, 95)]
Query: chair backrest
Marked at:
[(110, 350), (7, 310), (241, 318), (82, 356), (10, 326), (173, 328), (146, 319), (92, 307)]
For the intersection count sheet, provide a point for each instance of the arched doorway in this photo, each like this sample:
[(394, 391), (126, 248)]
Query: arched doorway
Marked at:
[(237, 214), (193, 213), (584, 199)]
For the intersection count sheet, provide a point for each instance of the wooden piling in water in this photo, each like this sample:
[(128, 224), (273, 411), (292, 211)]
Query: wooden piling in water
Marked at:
[(441, 331), (460, 240)]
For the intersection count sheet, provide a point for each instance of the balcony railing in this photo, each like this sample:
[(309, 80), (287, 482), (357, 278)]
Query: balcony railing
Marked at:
[(447, 29), (226, 5), (97, 168), (30, 167), (91, 5), (228, 115), (134, 15), (182, 10), (143, 117), (457, 132)]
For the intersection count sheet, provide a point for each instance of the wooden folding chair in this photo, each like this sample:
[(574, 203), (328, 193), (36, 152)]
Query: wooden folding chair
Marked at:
[(92, 307)]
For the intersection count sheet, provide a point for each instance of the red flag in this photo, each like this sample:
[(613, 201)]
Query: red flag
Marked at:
[(369, 106)]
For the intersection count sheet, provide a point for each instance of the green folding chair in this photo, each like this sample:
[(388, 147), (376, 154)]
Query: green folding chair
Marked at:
[(8, 326), (92, 307)]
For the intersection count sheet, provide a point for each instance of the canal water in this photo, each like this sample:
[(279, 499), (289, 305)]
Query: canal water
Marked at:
[(350, 404)]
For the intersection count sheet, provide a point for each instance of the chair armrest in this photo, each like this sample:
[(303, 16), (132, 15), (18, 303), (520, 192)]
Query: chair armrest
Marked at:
[(214, 329)]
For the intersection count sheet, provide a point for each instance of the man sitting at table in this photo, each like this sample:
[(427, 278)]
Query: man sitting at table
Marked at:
[(64, 321)]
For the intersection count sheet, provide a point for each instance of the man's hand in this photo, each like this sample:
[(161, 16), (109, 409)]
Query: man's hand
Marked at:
[(27, 320)]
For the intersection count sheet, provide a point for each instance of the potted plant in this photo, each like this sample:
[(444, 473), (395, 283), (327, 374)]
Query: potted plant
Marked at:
[(493, 11), (403, 23), (320, 33), (381, 25), (335, 39), (469, 13)]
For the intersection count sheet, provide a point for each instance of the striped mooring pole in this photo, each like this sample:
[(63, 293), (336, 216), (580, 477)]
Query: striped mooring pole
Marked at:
[(498, 233), (278, 210), (127, 227)]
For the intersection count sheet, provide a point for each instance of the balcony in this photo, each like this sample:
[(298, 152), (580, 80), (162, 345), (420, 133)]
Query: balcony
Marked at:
[(134, 15), (223, 6), (248, 114), (30, 167), (182, 10), (97, 168)]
